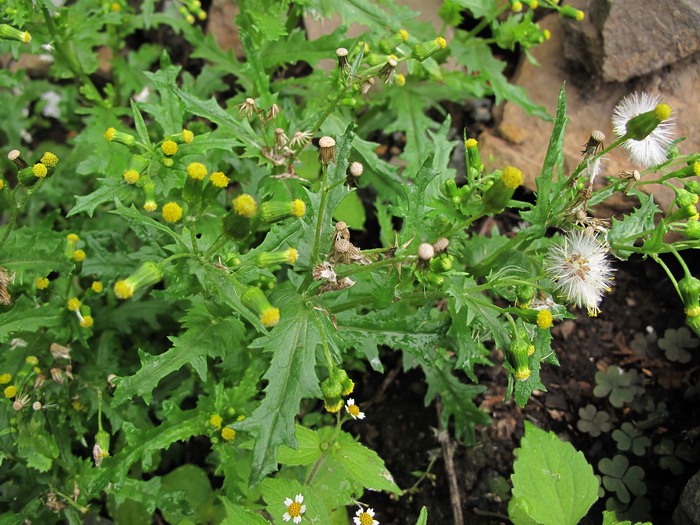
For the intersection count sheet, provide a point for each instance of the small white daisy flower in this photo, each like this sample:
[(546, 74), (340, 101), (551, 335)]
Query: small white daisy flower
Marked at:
[(580, 269), (651, 150), (354, 410), (295, 509), (365, 517)]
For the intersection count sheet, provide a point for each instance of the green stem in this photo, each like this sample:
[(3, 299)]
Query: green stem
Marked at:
[(320, 221), (18, 208), (360, 268), (686, 271), (180, 256), (67, 56), (464, 224), (668, 272), (218, 243)]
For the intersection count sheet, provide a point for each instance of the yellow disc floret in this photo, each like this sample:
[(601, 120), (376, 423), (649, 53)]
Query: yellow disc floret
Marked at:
[(197, 170), (40, 170), (150, 206), (522, 375), (5, 378), (403, 34), (245, 205), (441, 42), (87, 321), (662, 112), (270, 317), (74, 304), (10, 391), (215, 421), (79, 255), (72, 237), (470, 143), (41, 283), (2, 184), (512, 177), (169, 147), (97, 286), (187, 136), (400, 79), (544, 319), (48, 159), (219, 180), (292, 255), (123, 289), (131, 176), (228, 433), (298, 208), (172, 212), (31, 360), (334, 407), (110, 133), (530, 350)]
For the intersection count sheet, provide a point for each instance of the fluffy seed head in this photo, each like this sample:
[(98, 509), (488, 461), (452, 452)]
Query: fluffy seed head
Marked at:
[(580, 269), (650, 150)]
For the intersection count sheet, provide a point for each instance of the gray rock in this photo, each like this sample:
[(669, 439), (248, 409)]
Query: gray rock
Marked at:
[(623, 39), (688, 510)]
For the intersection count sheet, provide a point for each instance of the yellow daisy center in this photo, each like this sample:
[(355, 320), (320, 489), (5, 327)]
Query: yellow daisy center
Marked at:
[(294, 509), (354, 410)]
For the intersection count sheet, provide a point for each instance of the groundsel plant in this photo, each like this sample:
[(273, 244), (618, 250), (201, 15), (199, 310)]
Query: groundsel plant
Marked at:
[(191, 268)]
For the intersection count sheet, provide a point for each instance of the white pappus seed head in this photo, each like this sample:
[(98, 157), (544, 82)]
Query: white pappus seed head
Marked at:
[(651, 150), (580, 269)]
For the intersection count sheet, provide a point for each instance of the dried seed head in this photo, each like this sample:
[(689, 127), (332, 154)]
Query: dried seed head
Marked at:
[(342, 245), (356, 169), (426, 251), (340, 226), (247, 108), (326, 153), (39, 381), (441, 244), (280, 138), (59, 351), (36, 405), (342, 55), (366, 85), (594, 144), (57, 375), (272, 113), (16, 157)]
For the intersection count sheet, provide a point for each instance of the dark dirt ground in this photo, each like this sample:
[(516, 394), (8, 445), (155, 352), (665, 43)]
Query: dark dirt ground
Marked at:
[(402, 430)]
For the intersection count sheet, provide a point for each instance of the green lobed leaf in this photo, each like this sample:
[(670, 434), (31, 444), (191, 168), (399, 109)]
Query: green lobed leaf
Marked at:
[(276, 491), (237, 515), (553, 482), (26, 317), (457, 402), (169, 113), (205, 336), (412, 206), (108, 190), (308, 448), (179, 425), (624, 233), (290, 378)]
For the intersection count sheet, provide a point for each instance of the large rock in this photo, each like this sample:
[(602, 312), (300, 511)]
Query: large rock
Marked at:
[(688, 510), (623, 39), (522, 140)]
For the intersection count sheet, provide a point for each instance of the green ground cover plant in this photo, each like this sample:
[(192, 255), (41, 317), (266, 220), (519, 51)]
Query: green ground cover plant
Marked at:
[(183, 268)]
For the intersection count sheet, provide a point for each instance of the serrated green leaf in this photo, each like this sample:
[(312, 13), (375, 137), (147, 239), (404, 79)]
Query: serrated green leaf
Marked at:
[(169, 113), (394, 327), (290, 378), (624, 233), (412, 207), (141, 444), (151, 494), (26, 317), (308, 448), (237, 515), (456, 402), (276, 491), (297, 47), (364, 13), (143, 225), (141, 129), (34, 252), (205, 336), (552, 479), (37, 446), (412, 120), (108, 190), (365, 466)]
